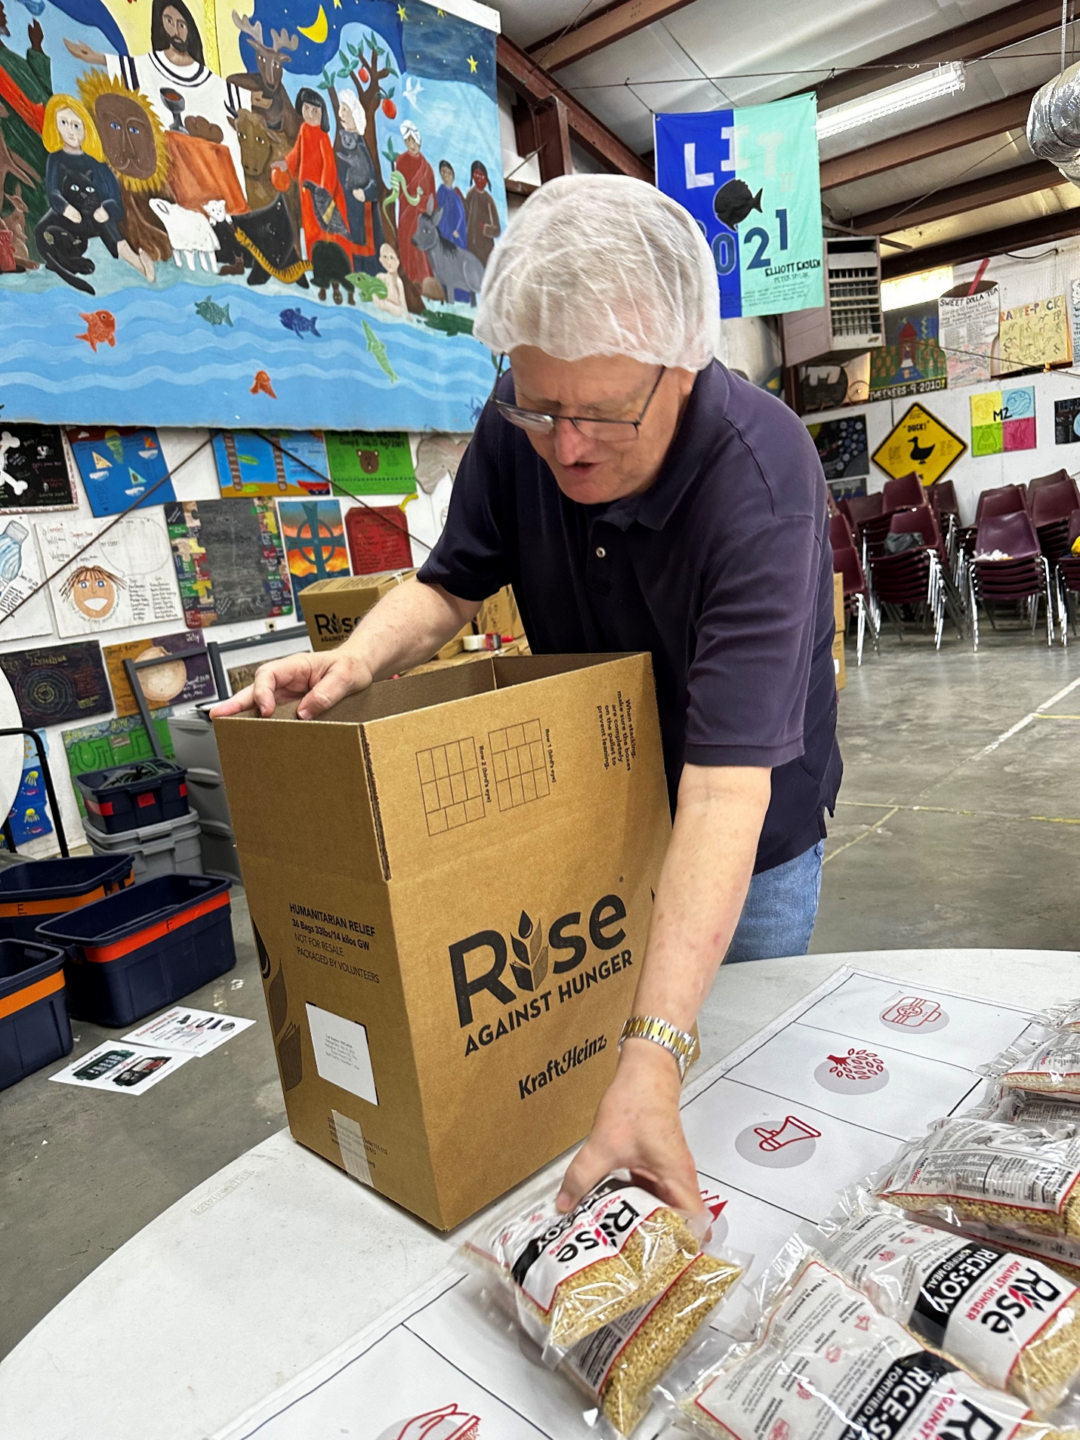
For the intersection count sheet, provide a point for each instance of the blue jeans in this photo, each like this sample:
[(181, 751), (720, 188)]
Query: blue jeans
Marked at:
[(779, 911)]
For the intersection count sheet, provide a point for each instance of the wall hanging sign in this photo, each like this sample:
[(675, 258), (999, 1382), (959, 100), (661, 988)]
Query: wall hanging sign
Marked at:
[(911, 362), (1066, 421), (919, 442), (34, 471), (120, 468), (229, 560), (1035, 335), (842, 446), (223, 220), (750, 178), (366, 462), (124, 575), (57, 683), (378, 539), (314, 537), (24, 604), (1003, 420), (173, 683), (274, 463), (968, 329), (112, 742)]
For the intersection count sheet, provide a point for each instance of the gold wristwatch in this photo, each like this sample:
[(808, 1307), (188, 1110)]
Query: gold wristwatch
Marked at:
[(678, 1043)]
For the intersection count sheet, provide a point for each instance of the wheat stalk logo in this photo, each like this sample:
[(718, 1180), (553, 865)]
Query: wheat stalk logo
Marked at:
[(530, 965)]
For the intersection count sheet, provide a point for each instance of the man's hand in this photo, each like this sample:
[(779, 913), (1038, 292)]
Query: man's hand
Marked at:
[(637, 1128), (316, 680)]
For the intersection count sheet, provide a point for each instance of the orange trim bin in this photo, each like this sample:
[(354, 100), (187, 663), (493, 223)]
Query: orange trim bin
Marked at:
[(102, 954), (32, 993), (51, 907)]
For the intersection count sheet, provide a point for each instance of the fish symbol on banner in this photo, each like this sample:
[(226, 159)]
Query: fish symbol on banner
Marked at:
[(262, 385), (733, 202), (299, 323), (211, 311), (100, 329), (378, 349)]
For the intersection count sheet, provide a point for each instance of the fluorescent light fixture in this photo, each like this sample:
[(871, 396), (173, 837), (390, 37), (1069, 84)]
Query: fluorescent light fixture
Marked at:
[(944, 80), (915, 289)]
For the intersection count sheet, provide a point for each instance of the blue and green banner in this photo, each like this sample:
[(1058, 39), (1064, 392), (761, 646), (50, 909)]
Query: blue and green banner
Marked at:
[(751, 180)]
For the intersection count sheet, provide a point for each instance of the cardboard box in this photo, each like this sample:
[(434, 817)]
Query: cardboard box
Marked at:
[(332, 608), (839, 664), (439, 1035), (499, 615), (463, 657)]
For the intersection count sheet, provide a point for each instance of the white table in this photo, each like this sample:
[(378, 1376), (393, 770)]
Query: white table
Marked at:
[(279, 1257)]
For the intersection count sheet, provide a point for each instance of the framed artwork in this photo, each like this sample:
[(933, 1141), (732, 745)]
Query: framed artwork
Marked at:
[(170, 685), (57, 683), (278, 463), (842, 447), (229, 560), (314, 537), (120, 468), (34, 471)]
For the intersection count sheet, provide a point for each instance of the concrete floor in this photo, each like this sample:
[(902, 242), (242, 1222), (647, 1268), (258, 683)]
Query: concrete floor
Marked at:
[(959, 824)]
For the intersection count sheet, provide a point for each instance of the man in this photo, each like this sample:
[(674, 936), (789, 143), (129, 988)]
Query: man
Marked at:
[(640, 497), (482, 215)]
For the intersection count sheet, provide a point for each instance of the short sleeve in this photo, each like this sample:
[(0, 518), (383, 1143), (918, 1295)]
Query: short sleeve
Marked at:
[(750, 672), (471, 557)]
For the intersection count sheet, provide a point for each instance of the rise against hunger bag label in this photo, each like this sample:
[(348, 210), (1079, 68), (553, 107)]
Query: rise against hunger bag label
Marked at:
[(979, 1306)]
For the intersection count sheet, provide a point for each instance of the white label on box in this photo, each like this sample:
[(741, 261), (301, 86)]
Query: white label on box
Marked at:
[(341, 1053)]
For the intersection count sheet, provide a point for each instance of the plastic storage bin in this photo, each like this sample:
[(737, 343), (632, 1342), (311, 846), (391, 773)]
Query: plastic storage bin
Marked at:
[(36, 892), (219, 855), (34, 1025), (169, 849), (125, 797), (145, 947), (195, 747)]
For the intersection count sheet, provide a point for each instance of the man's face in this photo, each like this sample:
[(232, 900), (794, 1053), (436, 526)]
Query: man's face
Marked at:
[(126, 136), (412, 144), (603, 387), (175, 27)]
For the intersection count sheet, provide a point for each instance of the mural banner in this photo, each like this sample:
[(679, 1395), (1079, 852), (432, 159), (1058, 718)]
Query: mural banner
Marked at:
[(277, 218)]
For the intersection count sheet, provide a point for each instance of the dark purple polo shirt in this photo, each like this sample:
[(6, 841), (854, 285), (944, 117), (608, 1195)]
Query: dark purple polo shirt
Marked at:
[(722, 570)]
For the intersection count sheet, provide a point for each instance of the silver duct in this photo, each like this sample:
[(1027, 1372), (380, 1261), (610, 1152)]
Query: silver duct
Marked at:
[(1053, 127)]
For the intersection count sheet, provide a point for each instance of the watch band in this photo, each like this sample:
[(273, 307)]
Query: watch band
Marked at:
[(678, 1043)]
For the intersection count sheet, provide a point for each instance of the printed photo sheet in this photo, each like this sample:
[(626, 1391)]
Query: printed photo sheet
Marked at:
[(121, 1068), (809, 1105), (192, 1032)]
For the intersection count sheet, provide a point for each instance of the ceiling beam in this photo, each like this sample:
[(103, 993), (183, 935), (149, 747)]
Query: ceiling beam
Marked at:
[(535, 86), (959, 199), (1009, 26), (1044, 231), (915, 145), (603, 27)]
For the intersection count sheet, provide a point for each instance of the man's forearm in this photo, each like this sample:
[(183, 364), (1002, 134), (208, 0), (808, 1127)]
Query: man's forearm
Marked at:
[(407, 627), (702, 887)]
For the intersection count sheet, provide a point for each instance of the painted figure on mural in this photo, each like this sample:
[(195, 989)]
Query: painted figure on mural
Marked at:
[(174, 70), (25, 87), (133, 143), (84, 195), (482, 215), (418, 187), (394, 301), (356, 170), (311, 163), (266, 85), (450, 201)]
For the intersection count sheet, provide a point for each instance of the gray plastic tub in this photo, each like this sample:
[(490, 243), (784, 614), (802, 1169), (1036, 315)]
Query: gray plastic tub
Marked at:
[(173, 847)]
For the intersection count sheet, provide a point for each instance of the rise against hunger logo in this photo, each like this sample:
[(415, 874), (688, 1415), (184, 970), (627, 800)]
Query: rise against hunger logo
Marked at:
[(483, 964)]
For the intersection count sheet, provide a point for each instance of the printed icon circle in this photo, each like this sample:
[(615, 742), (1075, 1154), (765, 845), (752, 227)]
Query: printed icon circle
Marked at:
[(914, 1014), (778, 1144), (856, 1071)]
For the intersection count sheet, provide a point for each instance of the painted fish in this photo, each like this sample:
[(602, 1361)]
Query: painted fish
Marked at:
[(212, 312), (378, 349), (262, 385), (733, 202), (299, 323), (100, 329), (36, 7)]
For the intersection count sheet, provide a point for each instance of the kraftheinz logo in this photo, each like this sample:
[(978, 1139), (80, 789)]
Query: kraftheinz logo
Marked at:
[(529, 959)]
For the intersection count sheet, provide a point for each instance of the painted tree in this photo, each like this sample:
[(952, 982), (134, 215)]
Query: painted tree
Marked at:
[(368, 66)]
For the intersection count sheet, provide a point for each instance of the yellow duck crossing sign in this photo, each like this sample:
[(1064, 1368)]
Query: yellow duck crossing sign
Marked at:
[(919, 442)]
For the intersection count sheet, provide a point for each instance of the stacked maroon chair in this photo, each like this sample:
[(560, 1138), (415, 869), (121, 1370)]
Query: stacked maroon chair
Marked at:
[(1002, 500), (1068, 575), (1052, 499), (946, 507), (918, 575), (906, 493), (857, 597), (1022, 578)]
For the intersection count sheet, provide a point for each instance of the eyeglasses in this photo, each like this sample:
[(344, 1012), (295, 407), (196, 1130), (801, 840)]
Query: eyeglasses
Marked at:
[(609, 432)]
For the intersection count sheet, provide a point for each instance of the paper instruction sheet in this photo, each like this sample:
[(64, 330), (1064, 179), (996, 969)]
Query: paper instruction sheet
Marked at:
[(120, 1067), (193, 1032), (809, 1105)]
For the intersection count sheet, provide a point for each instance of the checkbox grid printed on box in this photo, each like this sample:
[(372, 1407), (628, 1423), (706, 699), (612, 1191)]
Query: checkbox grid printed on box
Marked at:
[(450, 782), (518, 764)]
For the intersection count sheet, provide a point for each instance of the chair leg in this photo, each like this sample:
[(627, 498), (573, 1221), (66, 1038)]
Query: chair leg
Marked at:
[(1049, 604), (973, 601), (861, 628)]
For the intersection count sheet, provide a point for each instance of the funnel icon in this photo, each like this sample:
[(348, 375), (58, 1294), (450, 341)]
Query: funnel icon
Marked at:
[(779, 1143), (789, 1133)]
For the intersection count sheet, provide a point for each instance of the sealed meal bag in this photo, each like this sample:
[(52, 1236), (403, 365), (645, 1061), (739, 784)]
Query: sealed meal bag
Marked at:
[(828, 1366), (1008, 1319), (618, 1365), (570, 1274), (1042, 1062), (1019, 1178), (1017, 1107), (1065, 1016)]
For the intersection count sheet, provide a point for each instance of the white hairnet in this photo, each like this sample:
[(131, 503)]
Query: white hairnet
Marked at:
[(602, 265)]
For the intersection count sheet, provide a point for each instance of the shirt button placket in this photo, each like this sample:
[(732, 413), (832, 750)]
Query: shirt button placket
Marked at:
[(601, 553)]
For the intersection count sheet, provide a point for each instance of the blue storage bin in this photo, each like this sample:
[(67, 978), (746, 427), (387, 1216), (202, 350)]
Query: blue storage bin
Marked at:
[(125, 797), (39, 891), (145, 947), (34, 1025)]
